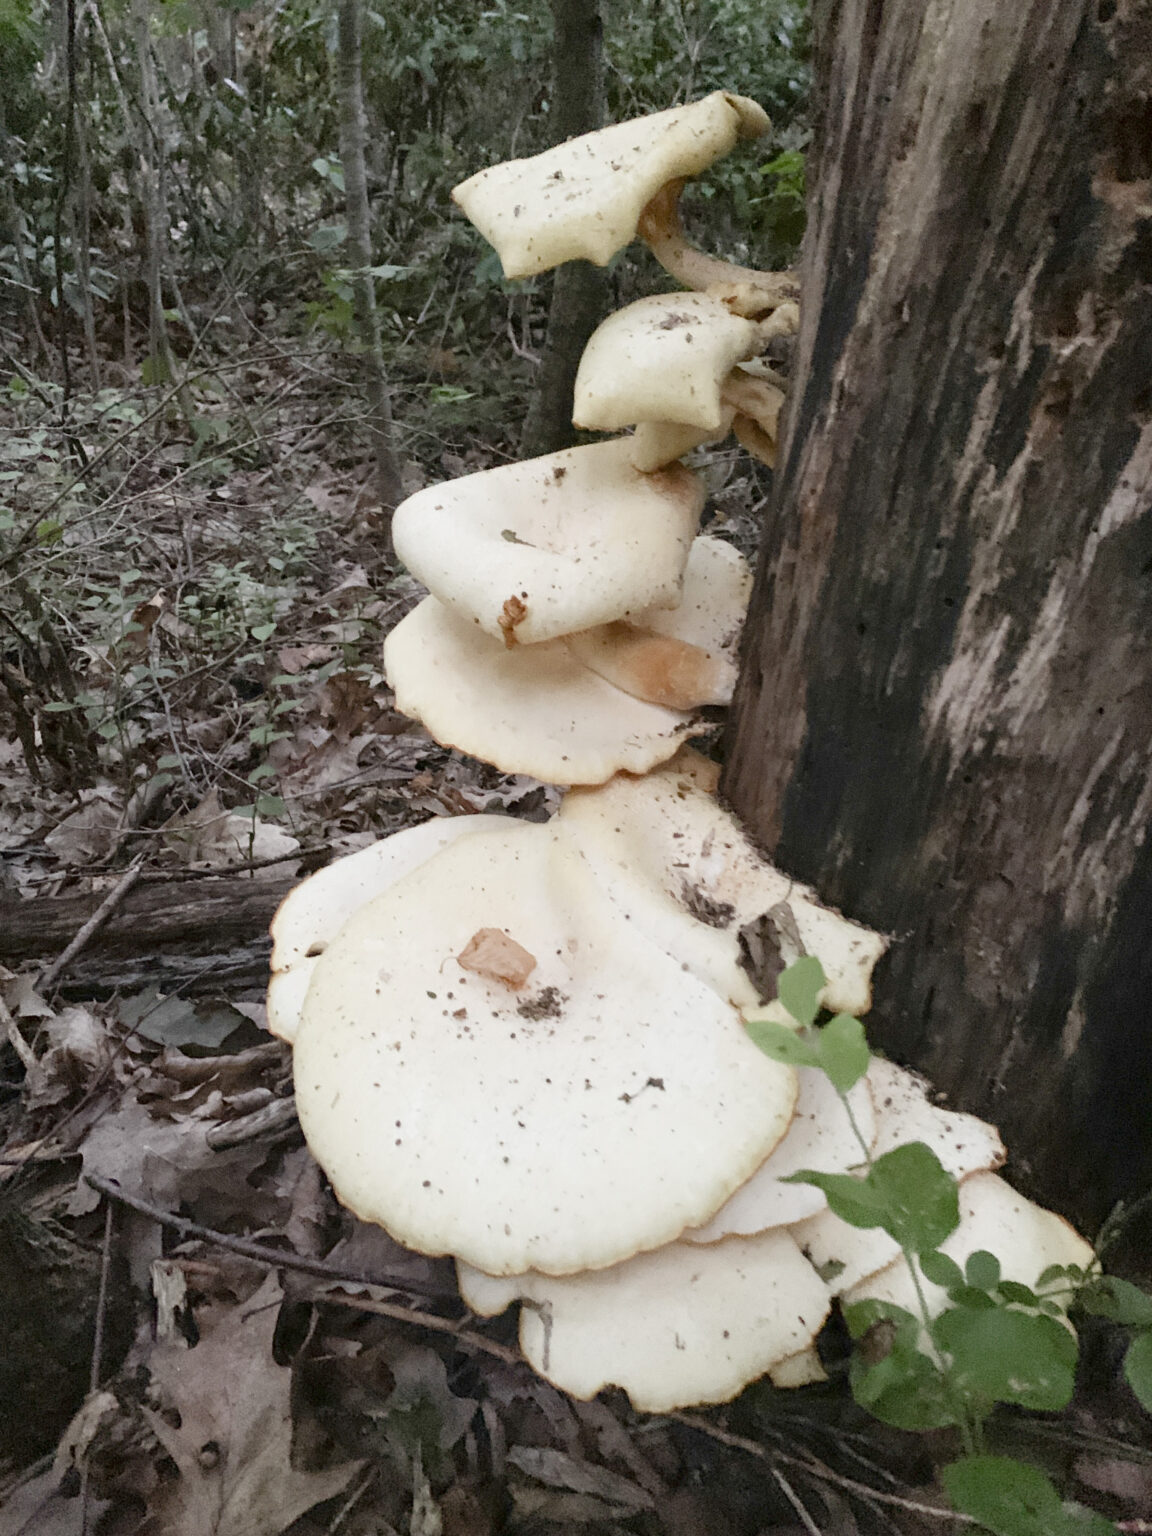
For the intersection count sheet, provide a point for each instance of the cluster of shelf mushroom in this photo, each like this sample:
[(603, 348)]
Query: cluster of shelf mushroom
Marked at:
[(523, 1045)]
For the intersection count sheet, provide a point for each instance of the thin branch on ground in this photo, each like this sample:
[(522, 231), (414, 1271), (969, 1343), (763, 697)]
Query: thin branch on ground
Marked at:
[(83, 935)]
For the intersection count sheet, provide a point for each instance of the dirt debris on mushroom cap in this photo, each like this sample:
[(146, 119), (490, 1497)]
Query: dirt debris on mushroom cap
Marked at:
[(964, 1144), (540, 549), (567, 1125), (584, 198), (821, 1137), (313, 912), (675, 1327), (663, 358), (533, 709), (672, 853)]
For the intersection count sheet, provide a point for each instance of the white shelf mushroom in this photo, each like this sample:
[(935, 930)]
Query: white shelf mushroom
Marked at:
[(533, 551), (584, 198), (569, 1124), (681, 1325), (312, 914)]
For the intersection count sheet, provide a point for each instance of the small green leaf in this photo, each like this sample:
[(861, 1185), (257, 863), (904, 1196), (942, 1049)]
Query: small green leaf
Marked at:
[(263, 631), (1001, 1356), (854, 1200), (1053, 1272), (890, 1374), (969, 1296), (1011, 1498), (906, 1191), (800, 986), (1119, 1300), (782, 1043), (982, 1270), (1019, 1295), (844, 1053), (941, 1270), (1138, 1369)]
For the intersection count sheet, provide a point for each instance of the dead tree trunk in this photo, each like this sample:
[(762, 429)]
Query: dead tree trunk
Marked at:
[(579, 290), (945, 714)]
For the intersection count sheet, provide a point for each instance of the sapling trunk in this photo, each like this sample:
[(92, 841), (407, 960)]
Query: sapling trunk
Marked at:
[(579, 290), (388, 486)]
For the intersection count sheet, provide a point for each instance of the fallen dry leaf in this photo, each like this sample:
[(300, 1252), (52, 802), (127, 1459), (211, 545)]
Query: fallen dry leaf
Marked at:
[(492, 953), (226, 1422)]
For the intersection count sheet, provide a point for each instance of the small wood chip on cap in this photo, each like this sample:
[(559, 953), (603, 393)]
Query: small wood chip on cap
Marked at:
[(584, 198), (491, 952), (569, 1128), (313, 913), (532, 709), (543, 548), (673, 1328)]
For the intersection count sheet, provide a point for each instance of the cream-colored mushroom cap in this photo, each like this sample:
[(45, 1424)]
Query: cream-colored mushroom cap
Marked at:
[(584, 198), (662, 834), (681, 657), (536, 550), (313, 912), (820, 1138), (589, 1114), (531, 709), (1025, 1237), (663, 358), (679, 1326), (964, 1144)]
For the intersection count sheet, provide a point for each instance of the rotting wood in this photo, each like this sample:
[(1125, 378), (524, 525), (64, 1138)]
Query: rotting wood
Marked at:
[(945, 714), (220, 912)]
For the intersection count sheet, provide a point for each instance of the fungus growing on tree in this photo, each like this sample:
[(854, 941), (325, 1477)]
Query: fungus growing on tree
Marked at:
[(525, 1046)]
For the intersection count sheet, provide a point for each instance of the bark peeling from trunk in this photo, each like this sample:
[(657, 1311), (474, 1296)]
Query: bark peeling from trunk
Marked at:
[(944, 719)]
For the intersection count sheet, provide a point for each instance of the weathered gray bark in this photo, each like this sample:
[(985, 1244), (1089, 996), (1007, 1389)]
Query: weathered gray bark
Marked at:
[(579, 290), (945, 714), (388, 485)]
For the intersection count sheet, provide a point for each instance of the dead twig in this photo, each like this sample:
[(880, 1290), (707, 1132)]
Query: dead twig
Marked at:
[(101, 915), (816, 1469), (463, 1336), (15, 1039), (272, 1120), (263, 1253)]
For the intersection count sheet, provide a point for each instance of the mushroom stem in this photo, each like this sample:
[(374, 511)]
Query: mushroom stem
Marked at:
[(746, 290)]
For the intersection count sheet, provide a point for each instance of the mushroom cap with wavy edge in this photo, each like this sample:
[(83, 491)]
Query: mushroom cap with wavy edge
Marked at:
[(1024, 1236), (663, 358), (685, 656), (536, 550), (678, 1326), (802, 1369), (682, 867), (531, 709), (964, 1144), (821, 1138), (566, 1125), (313, 912), (584, 198)]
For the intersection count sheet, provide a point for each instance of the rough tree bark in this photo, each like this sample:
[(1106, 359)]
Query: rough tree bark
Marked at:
[(945, 713), (388, 484), (579, 290)]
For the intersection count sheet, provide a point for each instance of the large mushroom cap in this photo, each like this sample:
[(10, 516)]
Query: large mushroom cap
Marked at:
[(313, 912), (679, 855), (584, 198), (663, 358), (532, 709), (679, 1326), (536, 550), (592, 1113)]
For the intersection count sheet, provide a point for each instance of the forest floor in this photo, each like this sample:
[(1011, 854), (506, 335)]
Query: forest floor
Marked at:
[(198, 1339)]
